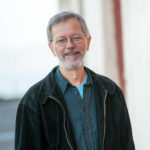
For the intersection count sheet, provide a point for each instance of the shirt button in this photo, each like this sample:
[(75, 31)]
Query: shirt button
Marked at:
[(87, 129), (84, 109)]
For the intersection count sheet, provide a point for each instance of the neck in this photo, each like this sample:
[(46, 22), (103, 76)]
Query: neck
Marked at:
[(76, 77)]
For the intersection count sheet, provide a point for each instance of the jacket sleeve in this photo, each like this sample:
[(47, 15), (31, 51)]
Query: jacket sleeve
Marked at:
[(126, 137), (27, 133)]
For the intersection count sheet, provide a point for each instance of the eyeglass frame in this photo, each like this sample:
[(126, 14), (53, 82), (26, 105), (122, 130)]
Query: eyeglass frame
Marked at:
[(62, 41)]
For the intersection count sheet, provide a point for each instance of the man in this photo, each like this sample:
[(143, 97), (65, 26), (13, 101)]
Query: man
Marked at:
[(72, 108)]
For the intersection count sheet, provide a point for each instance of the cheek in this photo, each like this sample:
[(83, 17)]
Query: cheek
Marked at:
[(81, 47), (59, 52)]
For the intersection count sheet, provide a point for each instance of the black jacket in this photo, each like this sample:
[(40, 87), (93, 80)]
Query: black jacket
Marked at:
[(42, 122)]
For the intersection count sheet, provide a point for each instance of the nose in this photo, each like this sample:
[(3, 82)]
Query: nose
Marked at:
[(70, 44)]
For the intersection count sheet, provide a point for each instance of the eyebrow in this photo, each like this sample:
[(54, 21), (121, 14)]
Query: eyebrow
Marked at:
[(71, 36)]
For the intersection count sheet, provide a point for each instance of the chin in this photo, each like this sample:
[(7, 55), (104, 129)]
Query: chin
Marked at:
[(70, 66)]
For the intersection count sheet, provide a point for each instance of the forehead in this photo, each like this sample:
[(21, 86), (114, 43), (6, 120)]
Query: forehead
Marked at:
[(67, 27)]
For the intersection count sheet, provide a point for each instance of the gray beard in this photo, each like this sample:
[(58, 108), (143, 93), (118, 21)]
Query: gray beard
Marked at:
[(69, 66), (66, 64)]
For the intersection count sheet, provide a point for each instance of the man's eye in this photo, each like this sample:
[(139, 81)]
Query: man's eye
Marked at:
[(61, 41), (76, 38)]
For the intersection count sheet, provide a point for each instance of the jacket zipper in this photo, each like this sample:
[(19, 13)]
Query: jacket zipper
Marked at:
[(64, 124), (104, 120)]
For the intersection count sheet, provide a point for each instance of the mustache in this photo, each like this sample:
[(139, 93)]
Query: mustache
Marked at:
[(67, 52)]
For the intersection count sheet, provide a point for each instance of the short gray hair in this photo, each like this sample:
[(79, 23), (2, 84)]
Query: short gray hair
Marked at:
[(63, 16)]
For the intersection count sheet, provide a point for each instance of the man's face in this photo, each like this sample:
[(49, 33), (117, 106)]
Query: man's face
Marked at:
[(69, 43)]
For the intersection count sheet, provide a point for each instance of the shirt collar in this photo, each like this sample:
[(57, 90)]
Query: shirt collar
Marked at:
[(64, 83), (89, 80), (61, 81)]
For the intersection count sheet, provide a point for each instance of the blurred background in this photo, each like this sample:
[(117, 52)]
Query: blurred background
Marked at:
[(120, 31)]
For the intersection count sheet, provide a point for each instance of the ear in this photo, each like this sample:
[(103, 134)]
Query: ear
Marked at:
[(88, 42), (52, 49)]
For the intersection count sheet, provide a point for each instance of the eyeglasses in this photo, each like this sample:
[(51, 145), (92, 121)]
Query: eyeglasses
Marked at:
[(62, 41)]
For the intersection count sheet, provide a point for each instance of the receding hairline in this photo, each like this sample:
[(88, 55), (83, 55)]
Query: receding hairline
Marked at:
[(65, 20), (63, 17)]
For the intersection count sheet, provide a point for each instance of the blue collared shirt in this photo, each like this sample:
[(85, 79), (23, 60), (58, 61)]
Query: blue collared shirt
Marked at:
[(82, 112)]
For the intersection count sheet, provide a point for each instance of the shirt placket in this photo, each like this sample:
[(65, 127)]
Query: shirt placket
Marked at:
[(87, 122)]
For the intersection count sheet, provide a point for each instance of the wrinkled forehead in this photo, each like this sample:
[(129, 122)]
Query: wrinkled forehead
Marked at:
[(67, 28)]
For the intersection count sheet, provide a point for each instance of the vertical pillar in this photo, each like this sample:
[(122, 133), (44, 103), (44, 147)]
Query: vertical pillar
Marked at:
[(119, 44), (70, 5), (114, 63)]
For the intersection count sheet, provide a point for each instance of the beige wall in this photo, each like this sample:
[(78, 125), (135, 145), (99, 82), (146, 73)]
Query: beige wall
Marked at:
[(136, 41), (136, 31), (70, 5), (99, 17), (92, 13)]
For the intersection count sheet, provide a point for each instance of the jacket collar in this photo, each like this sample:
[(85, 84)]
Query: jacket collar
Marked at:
[(49, 88), (104, 83)]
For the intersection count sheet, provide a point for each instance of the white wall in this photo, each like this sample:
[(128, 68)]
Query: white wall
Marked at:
[(70, 5), (136, 42), (136, 31), (93, 14)]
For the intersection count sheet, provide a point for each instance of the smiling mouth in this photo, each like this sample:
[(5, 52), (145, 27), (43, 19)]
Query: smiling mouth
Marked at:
[(72, 56), (72, 53)]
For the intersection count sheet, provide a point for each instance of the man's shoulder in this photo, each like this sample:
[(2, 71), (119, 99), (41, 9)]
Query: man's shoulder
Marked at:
[(102, 80), (39, 91), (107, 84), (32, 94)]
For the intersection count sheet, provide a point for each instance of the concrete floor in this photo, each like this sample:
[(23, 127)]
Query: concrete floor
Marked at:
[(8, 111)]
